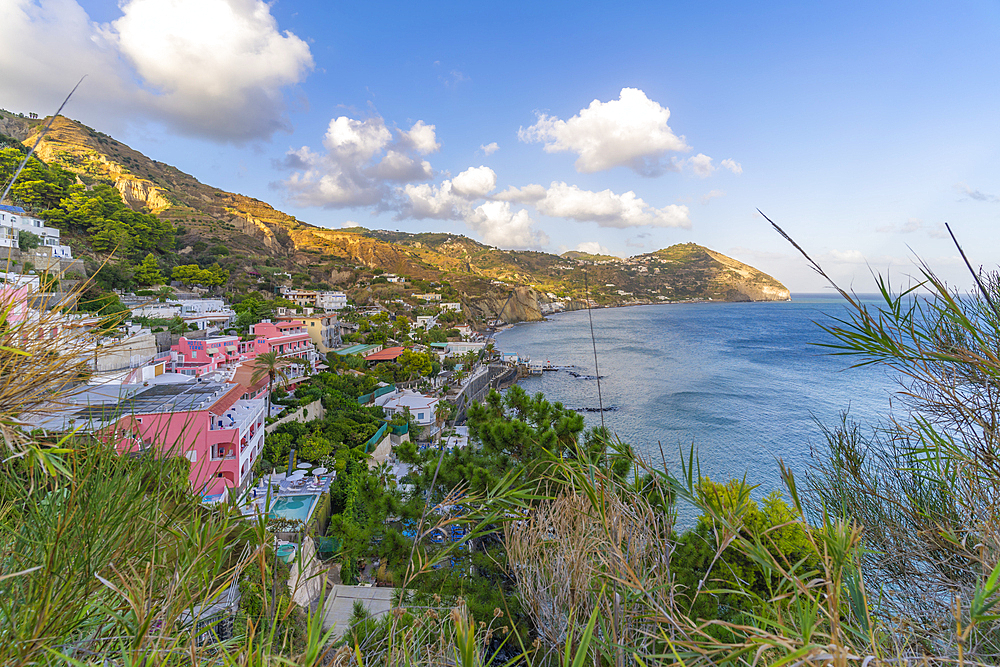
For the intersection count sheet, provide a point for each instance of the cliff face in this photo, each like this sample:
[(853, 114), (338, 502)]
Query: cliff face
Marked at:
[(522, 307), (16, 127)]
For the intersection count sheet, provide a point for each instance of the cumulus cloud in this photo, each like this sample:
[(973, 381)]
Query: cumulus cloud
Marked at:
[(592, 248), (475, 182), (347, 224), (701, 165), (631, 131), (362, 159), (490, 148), (452, 200), (213, 68), (732, 165), (605, 208), (976, 194), (422, 138), (498, 225)]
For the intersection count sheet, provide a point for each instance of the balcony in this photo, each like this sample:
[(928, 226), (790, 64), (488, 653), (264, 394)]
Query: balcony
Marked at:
[(242, 416)]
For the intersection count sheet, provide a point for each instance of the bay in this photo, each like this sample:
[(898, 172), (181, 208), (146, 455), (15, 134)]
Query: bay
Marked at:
[(745, 383)]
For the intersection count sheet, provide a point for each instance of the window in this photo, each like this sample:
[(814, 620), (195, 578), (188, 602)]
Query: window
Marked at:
[(420, 415)]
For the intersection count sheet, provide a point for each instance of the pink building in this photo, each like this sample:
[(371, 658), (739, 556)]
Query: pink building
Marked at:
[(197, 357), (217, 426)]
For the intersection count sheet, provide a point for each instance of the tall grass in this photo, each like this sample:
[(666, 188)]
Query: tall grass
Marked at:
[(105, 558)]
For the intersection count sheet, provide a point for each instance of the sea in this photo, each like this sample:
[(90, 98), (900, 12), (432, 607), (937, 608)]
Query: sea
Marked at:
[(745, 384)]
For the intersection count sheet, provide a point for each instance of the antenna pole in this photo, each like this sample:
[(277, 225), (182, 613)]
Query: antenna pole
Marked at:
[(593, 340)]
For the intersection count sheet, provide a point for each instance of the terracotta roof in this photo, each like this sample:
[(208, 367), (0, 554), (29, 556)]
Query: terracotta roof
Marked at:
[(388, 354), (244, 373), (227, 400)]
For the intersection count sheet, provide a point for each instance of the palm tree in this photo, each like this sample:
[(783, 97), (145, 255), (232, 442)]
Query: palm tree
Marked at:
[(164, 293), (441, 414), (273, 366)]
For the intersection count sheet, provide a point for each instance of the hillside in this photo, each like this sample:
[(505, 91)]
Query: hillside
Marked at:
[(254, 241)]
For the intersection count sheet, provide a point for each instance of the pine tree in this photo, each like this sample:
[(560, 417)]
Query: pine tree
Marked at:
[(148, 271)]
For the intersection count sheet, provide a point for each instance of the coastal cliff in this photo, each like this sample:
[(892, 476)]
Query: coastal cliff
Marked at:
[(522, 304)]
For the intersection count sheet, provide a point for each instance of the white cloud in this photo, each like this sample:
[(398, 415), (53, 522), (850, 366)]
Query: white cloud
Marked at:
[(732, 165), (498, 225), (631, 132), (490, 148), (701, 165), (972, 193), (452, 200), (362, 158), (605, 208), (493, 221), (436, 202), (422, 138), (712, 195), (347, 224), (214, 68), (592, 248), (475, 182)]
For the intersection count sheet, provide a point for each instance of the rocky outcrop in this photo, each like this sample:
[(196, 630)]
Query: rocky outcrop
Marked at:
[(140, 194), (749, 282), (522, 306), (16, 127)]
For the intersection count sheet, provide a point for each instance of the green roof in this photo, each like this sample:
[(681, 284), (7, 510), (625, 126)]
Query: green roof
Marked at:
[(356, 349), (441, 345)]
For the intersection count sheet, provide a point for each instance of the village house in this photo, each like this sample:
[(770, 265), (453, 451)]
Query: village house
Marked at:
[(323, 330), (14, 220)]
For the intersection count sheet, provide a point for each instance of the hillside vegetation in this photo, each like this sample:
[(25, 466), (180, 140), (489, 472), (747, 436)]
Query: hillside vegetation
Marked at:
[(252, 240)]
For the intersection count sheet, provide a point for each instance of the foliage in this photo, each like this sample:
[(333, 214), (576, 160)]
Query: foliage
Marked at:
[(148, 271), (192, 274), (743, 586), (27, 240)]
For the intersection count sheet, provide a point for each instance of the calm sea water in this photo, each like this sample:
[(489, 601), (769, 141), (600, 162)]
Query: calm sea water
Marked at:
[(744, 382)]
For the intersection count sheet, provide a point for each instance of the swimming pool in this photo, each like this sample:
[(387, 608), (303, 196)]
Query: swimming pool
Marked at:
[(293, 507)]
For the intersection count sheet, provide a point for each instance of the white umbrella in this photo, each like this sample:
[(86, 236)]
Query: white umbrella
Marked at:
[(298, 474), (304, 465), (320, 471)]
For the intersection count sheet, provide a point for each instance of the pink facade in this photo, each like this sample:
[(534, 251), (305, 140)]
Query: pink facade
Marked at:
[(222, 441), (14, 300), (289, 339)]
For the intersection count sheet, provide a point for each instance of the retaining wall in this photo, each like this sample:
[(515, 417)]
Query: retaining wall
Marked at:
[(306, 413)]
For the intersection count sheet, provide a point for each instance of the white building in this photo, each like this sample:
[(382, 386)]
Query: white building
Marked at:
[(14, 220), (462, 347), (164, 311), (421, 408), (331, 300), (452, 305), (202, 313)]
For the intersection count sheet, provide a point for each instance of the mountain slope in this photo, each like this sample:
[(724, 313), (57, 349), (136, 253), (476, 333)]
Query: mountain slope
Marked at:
[(257, 236)]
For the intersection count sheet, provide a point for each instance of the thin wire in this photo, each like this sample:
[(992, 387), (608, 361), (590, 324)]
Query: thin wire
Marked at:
[(40, 135), (975, 276), (597, 371)]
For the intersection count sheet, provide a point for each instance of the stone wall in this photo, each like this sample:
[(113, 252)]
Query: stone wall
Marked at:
[(306, 413)]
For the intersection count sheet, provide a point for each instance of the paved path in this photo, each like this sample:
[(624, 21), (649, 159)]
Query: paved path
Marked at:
[(340, 604)]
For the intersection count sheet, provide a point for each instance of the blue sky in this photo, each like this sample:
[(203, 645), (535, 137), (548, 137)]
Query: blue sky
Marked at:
[(859, 127)]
